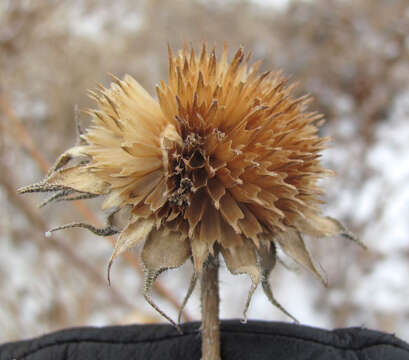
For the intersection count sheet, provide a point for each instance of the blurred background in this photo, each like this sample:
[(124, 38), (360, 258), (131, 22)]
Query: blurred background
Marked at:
[(351, 55)]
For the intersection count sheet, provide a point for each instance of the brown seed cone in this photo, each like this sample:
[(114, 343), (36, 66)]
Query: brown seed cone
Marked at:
[(227, 157)]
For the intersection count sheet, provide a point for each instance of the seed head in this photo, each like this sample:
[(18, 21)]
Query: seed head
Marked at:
[(225, 161)]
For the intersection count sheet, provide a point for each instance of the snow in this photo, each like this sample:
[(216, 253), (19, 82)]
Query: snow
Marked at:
[(386, 286)]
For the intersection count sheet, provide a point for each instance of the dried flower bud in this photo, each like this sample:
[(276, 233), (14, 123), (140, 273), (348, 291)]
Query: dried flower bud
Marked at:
[(226, 160)]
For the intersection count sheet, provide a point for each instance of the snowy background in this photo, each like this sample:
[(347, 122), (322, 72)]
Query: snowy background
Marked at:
[(351, 55)]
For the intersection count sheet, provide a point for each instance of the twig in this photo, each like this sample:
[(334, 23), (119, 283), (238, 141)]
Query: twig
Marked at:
[(37, 222), (209, 285), (27, 142)]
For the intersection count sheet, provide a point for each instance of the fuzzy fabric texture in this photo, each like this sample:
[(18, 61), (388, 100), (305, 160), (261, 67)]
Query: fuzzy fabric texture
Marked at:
[(255, 340)]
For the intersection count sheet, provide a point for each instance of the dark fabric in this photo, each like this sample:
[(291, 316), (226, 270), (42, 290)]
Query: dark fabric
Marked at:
[(254, 340)]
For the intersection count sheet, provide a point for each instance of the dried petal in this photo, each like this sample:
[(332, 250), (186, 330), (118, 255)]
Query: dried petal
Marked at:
[(292, 243), (192, 285), (163, 250), (243, 260), (133, 234), (79, 179), (200, 252), (323, 226), (267, 258)]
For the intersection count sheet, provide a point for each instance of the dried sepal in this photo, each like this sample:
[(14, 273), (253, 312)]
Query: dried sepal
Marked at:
[(105, 231), (191, 288), (243, 260), (292, 243), (67, 195), (75, 154), (200, 253), (78, 178), (148, 281), (326, 226), (134, 233), (162, 250), (267, 260), (343, 231), (120, 217), (40, 187)]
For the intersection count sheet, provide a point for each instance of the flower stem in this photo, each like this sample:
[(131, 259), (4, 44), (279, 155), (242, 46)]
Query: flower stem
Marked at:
[(210, 309)]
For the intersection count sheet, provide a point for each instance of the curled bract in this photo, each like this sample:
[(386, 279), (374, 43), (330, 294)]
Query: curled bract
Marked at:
[(225, 161)]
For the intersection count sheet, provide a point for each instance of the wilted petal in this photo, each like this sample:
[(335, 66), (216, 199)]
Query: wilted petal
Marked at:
[(195, 211), (210, 229), (293, 245), (148, 281), (325, 226), (76, 152), (67, 195), (249, 225), (133, 234), (192, 285), (113, 199), (200, 252), (79, 178), (229, 238), (119, 218), (231, 211), (216, 190), (243, 260), (267, 259), (163, 250)]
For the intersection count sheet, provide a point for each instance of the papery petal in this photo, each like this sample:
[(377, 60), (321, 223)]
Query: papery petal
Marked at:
[(267, 258), (135, 233), (79, 178), (292, 243), (325, 226), (200, 252), (243, 260), (164, 250)]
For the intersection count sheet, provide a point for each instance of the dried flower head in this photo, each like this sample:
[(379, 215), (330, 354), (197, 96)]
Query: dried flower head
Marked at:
[(226, 161)]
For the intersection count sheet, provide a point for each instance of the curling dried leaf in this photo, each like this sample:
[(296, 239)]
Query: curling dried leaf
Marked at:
[(74, 153), (267, 259), (133, 234), (192, 285), (67, 195), (149, 279), (292, 243), (80, 179), (119, 218), (323, 226), (164, 250), (243, 260), (103, 231)]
